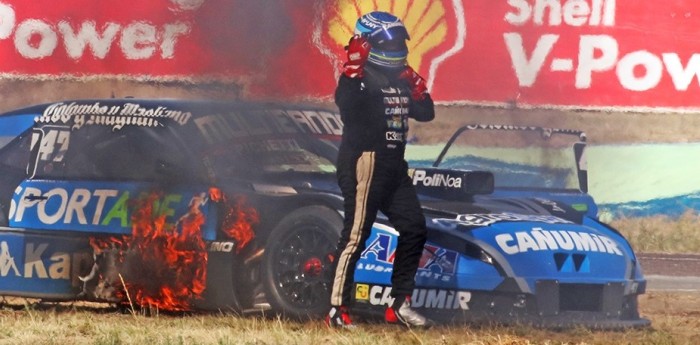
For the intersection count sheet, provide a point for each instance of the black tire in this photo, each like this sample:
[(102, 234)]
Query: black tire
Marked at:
[(298, 262)]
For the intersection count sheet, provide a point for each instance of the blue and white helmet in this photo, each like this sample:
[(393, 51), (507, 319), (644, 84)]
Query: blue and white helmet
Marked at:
[(387, 36)]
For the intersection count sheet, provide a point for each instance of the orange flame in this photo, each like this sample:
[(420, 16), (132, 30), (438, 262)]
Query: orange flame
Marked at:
[(238, 220), (164, 266)]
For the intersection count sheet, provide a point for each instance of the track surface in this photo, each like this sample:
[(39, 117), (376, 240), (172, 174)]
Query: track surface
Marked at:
[(671, 272), (676, 265)]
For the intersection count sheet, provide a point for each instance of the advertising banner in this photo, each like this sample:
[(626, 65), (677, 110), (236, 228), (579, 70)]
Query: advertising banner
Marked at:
[(559, 53)]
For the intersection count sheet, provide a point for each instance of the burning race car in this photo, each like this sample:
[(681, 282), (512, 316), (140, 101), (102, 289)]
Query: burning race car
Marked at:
[(197, 205)]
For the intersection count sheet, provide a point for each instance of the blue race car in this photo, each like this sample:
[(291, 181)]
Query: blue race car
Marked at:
[(513, 235), (200, 205)]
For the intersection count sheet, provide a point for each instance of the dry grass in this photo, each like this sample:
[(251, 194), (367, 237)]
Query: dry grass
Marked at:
[(661, 234), (675, 320)]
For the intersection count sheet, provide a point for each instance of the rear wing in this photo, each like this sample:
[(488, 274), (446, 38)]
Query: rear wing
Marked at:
[(546, 133), (450, 184)]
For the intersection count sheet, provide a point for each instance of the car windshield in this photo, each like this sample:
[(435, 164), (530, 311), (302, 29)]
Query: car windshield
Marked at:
[(216, 143), (518, 157), (247, 142)]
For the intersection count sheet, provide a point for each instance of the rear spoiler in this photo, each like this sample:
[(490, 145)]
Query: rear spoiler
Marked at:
[(451, 184), (579, 147)]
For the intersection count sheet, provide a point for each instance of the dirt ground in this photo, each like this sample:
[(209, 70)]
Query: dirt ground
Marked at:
[(601, 127)]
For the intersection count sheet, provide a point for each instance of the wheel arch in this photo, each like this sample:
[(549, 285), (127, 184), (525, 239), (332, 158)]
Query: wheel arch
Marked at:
[(273, 216), (304, 237)]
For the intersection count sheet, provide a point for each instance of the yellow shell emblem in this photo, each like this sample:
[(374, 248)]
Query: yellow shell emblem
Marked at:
[(424, 20)]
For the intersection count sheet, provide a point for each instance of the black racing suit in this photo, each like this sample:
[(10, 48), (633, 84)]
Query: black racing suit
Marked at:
[(373, 175)]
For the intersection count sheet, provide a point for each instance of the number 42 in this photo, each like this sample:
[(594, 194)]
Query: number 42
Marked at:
[(53, 146)]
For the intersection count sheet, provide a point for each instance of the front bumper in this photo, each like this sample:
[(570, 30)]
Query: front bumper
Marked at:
[(554, 305)]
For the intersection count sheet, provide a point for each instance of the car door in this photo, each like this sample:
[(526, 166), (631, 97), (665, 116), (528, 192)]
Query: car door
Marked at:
[(84, 187)]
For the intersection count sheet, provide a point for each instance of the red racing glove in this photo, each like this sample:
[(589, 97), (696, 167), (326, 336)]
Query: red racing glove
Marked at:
[(358, 52), (417, 84)]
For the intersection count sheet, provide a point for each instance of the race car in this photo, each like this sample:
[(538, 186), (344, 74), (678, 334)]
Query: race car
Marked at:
[(211, 205)]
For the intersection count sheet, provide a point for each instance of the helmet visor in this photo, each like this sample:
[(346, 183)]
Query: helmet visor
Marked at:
[(389, 33)]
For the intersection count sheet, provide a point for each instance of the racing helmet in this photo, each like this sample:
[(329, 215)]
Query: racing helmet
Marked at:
[(387, 37)]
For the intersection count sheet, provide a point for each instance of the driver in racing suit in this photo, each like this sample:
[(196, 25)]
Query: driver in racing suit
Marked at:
[(376, 94)]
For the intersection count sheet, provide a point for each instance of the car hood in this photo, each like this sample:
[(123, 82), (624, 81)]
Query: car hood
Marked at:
[(525, 240), (542, 206)]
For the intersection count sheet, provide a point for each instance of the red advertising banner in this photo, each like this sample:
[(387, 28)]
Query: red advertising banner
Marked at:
[(578, 53)]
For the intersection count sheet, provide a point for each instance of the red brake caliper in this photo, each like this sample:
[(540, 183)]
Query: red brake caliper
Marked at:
[(313, 267)]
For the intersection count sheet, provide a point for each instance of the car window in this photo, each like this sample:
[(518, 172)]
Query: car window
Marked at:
[(267, 155), (247, 143), (15, 134), (101, 153)]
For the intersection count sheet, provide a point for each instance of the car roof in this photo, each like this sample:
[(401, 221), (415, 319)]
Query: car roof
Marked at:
[(183, 113), (197, 106)]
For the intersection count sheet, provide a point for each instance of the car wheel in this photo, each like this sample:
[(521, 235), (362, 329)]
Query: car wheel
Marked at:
[(298, 262)]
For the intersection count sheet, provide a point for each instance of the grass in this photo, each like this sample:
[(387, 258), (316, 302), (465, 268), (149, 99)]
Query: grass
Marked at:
[(675, 319), (662, 234)]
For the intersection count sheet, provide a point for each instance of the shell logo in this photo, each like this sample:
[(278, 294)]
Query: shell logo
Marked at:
[(437, 29)]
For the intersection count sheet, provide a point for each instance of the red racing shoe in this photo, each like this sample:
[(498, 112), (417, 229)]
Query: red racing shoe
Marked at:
[(338, 317), (404, 314)]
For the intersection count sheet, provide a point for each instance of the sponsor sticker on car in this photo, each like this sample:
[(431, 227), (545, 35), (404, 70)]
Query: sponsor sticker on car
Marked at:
[(379, 295)]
